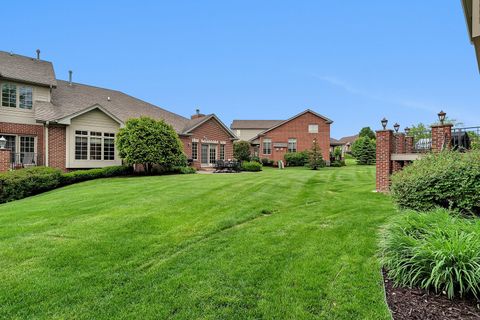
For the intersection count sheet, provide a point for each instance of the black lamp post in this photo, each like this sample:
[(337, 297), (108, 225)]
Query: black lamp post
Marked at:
[(396, 126), (407, 130), (441, 116), (384, 123)]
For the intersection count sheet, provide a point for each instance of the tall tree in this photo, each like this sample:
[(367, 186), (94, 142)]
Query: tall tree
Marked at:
[(241, 150), (315, 159), (367, 132)]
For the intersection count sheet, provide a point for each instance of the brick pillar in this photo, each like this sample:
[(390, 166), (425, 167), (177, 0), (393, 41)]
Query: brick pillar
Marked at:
[(408, 144), (441, 137), (384, 163), (398, 147), (5, 158)]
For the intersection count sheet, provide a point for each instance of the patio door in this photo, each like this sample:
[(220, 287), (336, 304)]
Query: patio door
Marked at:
[(204, 155), (208, 155)]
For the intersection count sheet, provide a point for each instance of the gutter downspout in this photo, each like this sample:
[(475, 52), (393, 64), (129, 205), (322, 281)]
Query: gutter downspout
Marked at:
[(46, 143)]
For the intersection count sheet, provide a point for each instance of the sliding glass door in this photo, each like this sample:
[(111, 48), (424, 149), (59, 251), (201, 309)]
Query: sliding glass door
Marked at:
[(208, 154)]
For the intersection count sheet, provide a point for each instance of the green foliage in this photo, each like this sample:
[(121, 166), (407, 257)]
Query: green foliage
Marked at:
[(266, 162), (241, 150), (315, 159), (364, 150), (251, 166), (22, 183), (90, 174), (447, 179), (183, 170), (150, 142), (255, 158), (367, 132), (338, 163), (337, 153), (434, 251), (296, 159)]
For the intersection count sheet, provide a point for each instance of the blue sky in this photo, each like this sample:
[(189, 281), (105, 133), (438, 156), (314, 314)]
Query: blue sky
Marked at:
[(353, 61)]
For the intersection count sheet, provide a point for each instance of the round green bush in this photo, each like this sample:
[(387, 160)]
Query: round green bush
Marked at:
[(251, 166), (434, 251), (447, 179), (296, 159)]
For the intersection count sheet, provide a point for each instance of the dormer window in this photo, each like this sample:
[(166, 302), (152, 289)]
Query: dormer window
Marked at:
[(13, 97)]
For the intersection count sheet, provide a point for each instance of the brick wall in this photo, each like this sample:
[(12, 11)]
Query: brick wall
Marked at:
[(212, 131), (408, 144), (441, 137), (384, 165), (5, 157), (298, 129), (27, 129), (57, 146)]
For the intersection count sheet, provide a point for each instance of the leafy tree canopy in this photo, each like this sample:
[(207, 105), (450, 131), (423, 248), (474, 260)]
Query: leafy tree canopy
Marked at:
[(367, 132), (241, 150)]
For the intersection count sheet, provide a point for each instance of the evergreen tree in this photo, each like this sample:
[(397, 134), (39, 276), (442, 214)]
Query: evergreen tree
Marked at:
[(315, 160)]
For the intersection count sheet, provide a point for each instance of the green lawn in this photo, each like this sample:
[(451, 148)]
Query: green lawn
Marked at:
[(198, 247)]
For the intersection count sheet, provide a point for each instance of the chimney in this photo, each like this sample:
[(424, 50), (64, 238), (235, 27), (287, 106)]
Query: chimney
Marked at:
[(38, 54), (197, 115), (70, 77)]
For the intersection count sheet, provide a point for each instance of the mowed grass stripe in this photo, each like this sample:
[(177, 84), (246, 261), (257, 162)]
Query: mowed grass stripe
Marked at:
[(197, 247)]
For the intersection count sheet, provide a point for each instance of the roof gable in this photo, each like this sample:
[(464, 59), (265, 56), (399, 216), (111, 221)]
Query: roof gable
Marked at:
[(68, 119), (195, 123), (25, 69), (327, 120)]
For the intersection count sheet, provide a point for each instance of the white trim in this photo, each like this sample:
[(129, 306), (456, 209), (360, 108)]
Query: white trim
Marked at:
[(68, 119)]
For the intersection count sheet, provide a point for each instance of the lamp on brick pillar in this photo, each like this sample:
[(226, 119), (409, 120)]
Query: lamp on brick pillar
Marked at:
[(3, 142), (441, 134), (384, 155), (5, 155), (398, 147)]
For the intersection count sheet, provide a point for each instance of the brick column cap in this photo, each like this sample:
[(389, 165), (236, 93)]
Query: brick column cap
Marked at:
[(441, 125), (386, 130)]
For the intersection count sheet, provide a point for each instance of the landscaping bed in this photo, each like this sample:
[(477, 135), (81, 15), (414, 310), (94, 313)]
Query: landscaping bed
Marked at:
[(406, 303)]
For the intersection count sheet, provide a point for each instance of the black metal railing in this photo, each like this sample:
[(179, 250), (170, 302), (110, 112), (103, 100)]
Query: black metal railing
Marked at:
[(464, 139), (422, 141), (25, 160)]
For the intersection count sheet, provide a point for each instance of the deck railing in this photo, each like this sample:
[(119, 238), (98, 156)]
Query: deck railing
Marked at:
[(25, 160), (466, 138)]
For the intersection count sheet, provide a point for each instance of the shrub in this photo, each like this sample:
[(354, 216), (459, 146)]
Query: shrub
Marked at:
[(90, 174), (150, 142), (447, 179), (251, 166), (338, 163), (296, 159), (184, 170), (364, 150), (267, 162), (19, 184), (434, 250), (241, 150), (255, 158)]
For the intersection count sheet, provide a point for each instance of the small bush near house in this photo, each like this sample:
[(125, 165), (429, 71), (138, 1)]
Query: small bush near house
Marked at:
[(364, 150), (296, 159), (338, 163), (184, 170), (241, 150), (251, 166), (255, 158), (434, 251), (448, 179), (90, 174), (267, 162), (19, 184)]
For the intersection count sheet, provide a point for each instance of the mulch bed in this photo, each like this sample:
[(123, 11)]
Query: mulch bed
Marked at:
[(408, 303)]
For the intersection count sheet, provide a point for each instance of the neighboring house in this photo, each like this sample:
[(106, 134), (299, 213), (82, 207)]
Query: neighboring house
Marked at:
[(68, 125), (347, 143), (335, 143), (471, 8), (273, 138)]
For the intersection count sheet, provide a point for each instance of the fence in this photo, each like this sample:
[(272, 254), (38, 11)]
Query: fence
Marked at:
[(24, 160)]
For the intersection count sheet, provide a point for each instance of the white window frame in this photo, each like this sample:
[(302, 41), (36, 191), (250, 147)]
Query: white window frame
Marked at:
[(18, 88), (269, 142), (313, 128), (292, 145), (194, 148), (221, 152), (93, 134)]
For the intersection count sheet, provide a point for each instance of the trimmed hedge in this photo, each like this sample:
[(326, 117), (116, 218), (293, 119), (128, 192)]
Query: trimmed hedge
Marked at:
[(90, 174), (296, 159), (19, 184), (267, 162), (251, 166), (434, 251), (447, 179), (338, 163)]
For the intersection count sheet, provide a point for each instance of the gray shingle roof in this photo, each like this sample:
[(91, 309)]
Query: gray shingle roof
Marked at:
[(69, 99), (349, 139), (254, 124), (335, 142), (26, 69)]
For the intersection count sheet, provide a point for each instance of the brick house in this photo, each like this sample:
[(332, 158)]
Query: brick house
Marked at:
[(273, 138), (68, 125)]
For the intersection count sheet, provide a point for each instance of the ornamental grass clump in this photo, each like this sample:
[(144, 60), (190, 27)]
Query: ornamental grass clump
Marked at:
[(434, 251)]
